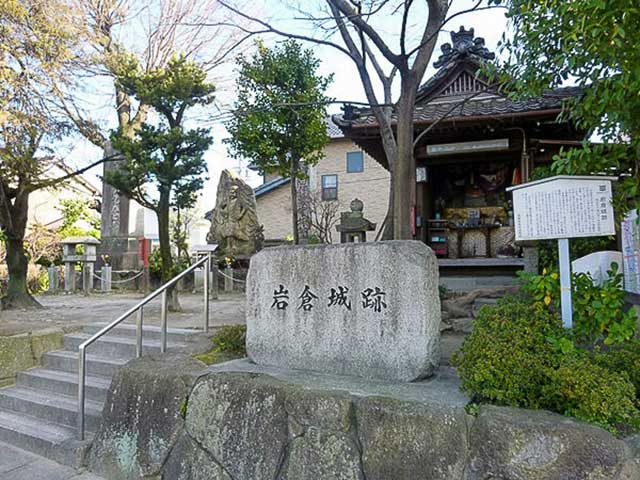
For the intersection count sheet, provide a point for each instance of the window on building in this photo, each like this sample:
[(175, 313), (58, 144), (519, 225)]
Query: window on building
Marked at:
[(329, 187), (355, 162)]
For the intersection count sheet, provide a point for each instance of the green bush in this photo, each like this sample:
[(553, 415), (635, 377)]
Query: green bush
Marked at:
[(582, 389), (506, 358), (519, 355), (622, 358), (228, 344), (598, 311), (231, 339)]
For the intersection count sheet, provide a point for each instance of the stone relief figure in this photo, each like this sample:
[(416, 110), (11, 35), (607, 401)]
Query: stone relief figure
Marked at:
[(234, 222)]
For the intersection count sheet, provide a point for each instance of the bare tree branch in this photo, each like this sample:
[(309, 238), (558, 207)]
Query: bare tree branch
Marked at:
[(270, 28), (369, 31)]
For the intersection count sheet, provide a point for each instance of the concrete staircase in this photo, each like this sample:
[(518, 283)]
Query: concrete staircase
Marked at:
[(39, 413)]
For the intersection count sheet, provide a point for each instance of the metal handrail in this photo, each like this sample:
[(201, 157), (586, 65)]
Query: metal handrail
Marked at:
[(206, 260)]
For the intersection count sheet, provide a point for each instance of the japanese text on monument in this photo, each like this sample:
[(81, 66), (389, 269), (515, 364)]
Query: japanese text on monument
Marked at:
[(339, 297)]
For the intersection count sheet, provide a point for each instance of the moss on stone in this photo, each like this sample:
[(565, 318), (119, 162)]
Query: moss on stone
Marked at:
[(15, 355), (44, 341), (214, 356)]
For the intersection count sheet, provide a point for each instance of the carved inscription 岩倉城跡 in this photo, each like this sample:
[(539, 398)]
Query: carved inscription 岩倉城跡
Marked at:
[(280, 298), (338, 297), (372, 298), (307, 298)]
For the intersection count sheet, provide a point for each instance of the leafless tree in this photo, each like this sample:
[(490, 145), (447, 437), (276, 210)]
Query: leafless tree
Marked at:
[(317, 216), (149, 32), (363, 30)]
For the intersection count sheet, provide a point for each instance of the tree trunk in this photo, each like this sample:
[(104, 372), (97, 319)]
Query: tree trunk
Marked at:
[(404, 171), (294, 200), (166, 258), (18, 295), (387, 232)]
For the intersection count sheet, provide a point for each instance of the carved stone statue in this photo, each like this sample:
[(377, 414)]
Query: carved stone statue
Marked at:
[(234, 223)]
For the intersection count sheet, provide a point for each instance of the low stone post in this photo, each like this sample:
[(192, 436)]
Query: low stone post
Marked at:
[(213, 284), (105, 279), (228, 280), (87, 278), (69, 277), (53, 279)]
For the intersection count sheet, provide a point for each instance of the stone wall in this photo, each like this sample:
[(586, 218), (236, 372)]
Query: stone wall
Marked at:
[(22, 351), (169, 418)]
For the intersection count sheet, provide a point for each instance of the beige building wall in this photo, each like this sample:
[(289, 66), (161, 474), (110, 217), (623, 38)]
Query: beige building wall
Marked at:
[(274, 213), (371, 186)]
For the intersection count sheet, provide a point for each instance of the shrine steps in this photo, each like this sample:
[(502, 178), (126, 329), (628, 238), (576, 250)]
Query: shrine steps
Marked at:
[(39, 412)]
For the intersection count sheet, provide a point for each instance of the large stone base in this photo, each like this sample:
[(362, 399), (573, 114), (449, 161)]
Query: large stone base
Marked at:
[(246, 422), (122, 252)]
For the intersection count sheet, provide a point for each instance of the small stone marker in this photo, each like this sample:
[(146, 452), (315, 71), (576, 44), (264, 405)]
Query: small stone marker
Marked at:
[(365, 309)]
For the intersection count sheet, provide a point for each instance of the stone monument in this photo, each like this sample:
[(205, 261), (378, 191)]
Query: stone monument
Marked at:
[(234, 222), (363, 309), (117, 244)]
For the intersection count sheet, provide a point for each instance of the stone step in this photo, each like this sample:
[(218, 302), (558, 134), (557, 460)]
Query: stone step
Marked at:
[(67, 361), (149, 332), (114, 346), (63, 383), (42, 438), (58, 409), (481, 302)]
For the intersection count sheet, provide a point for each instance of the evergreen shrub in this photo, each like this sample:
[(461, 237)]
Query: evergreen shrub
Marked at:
[(519, 355)]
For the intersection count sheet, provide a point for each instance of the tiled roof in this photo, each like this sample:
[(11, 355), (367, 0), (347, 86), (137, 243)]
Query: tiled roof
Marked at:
[(485, 105), (333, 130), (269, 186)]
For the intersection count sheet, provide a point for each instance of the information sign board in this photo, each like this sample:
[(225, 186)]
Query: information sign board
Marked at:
[(563, 207), (631, 252)]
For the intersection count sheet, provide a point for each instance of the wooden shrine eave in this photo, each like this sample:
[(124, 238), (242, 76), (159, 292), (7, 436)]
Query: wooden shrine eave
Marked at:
[(373, 128)]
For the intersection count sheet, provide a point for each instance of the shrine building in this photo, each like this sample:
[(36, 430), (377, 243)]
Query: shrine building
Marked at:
[(479, 143)]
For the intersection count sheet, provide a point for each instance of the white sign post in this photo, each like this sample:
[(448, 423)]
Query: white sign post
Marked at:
[(561, 208)]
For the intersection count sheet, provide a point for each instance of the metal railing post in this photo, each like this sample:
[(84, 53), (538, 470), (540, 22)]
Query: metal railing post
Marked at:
[(207, 273), (139, 333), (164, 290), (163, 321), (81, 381)]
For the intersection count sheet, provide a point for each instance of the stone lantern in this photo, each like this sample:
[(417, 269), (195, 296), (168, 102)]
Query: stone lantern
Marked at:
[(353, 226), (83, 250)]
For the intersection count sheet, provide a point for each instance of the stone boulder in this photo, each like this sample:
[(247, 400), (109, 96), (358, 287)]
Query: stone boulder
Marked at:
[(142, 418), (251, 422), (411, 440), (364, 309), (240, 420), (518, 444), (234, 220)]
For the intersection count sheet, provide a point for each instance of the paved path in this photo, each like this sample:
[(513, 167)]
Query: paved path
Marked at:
[(17, 464), (69, 311)]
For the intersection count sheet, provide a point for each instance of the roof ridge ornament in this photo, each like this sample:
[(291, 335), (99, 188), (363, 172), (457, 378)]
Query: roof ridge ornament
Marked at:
[(464, 44)]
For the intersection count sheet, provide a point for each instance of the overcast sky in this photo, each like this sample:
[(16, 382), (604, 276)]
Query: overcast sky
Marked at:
[(489, 24)]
